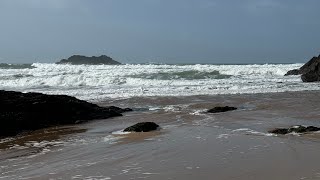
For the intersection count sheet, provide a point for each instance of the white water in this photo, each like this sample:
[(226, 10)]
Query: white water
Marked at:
[(123, 81)]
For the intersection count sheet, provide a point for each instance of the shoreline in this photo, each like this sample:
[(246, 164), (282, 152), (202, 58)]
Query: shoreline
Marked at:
[(108, 102), (105, 100)]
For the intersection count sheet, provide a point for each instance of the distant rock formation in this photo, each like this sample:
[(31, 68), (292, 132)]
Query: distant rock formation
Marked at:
[(310, 72), (78, 60), (21, 112), (142, 127), (221, 109)]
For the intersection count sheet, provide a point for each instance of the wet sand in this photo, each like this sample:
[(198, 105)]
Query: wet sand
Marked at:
[(190, 145)]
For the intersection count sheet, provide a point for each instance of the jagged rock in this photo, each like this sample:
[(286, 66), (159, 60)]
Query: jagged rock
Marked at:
[(142, 127), (78, 60), (221, 109), (312, 76), (293, 72), (306, 67), (310, 72), (30, 111), (295, 129)]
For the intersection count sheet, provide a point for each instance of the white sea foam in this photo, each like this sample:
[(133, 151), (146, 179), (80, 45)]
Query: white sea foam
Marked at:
[(223, 136), (245, 131), (79, 176), (120, 132), (111, 139), (95, 82), (253, 132), (199, 112)]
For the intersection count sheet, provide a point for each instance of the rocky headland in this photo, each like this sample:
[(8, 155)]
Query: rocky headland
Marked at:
[(94, 60), (20, 112)]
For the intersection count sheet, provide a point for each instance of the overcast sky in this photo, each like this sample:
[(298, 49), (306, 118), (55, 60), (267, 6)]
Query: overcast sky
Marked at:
[(170, 31)]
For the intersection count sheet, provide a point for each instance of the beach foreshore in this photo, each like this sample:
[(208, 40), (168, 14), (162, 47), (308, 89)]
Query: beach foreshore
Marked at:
[(191, 144)]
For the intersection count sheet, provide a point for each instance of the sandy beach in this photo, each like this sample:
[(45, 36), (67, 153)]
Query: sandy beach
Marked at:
[(159, 90), (190, 144)]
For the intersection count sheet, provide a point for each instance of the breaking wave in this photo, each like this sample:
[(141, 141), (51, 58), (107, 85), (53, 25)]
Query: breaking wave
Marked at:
[(93, 82), (184, 75), (15, 66)]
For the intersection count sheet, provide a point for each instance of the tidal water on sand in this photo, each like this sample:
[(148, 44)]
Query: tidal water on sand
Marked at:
[(191, 144)]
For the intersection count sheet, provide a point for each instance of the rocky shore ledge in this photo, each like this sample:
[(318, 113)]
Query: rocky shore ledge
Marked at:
[(20, 112)]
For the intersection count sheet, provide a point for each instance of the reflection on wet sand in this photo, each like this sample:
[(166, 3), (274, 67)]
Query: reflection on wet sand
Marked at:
[(191, 144), (31, 143)]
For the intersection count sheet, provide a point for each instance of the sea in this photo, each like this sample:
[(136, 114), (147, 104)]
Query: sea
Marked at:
[(98, 82), (190, 143)]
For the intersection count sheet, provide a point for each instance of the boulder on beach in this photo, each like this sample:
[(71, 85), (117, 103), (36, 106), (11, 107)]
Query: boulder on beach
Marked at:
[(221, 109), (21, 112), (310, 72), (78, 60), (295, 129), (142, 127)]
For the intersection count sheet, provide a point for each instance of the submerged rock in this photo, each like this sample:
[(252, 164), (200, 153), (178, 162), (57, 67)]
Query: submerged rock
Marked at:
[(279, 131), (221, 109), (142, 127), (78, 60), (31, 111), (119, 110), (295, 129), (310, 72)]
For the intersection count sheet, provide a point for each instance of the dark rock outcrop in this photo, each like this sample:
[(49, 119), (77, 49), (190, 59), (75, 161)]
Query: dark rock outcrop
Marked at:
[(142, 127), (293, 72), (119, 110), (295, 129), (221, 109), (312, 76), (310, 72), (78, 60), (279, 131), (30, 111)]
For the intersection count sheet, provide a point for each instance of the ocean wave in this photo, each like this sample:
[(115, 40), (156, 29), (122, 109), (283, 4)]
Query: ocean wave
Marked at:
[(184, 75), (15, 66), (15, 76), (90, 82)]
